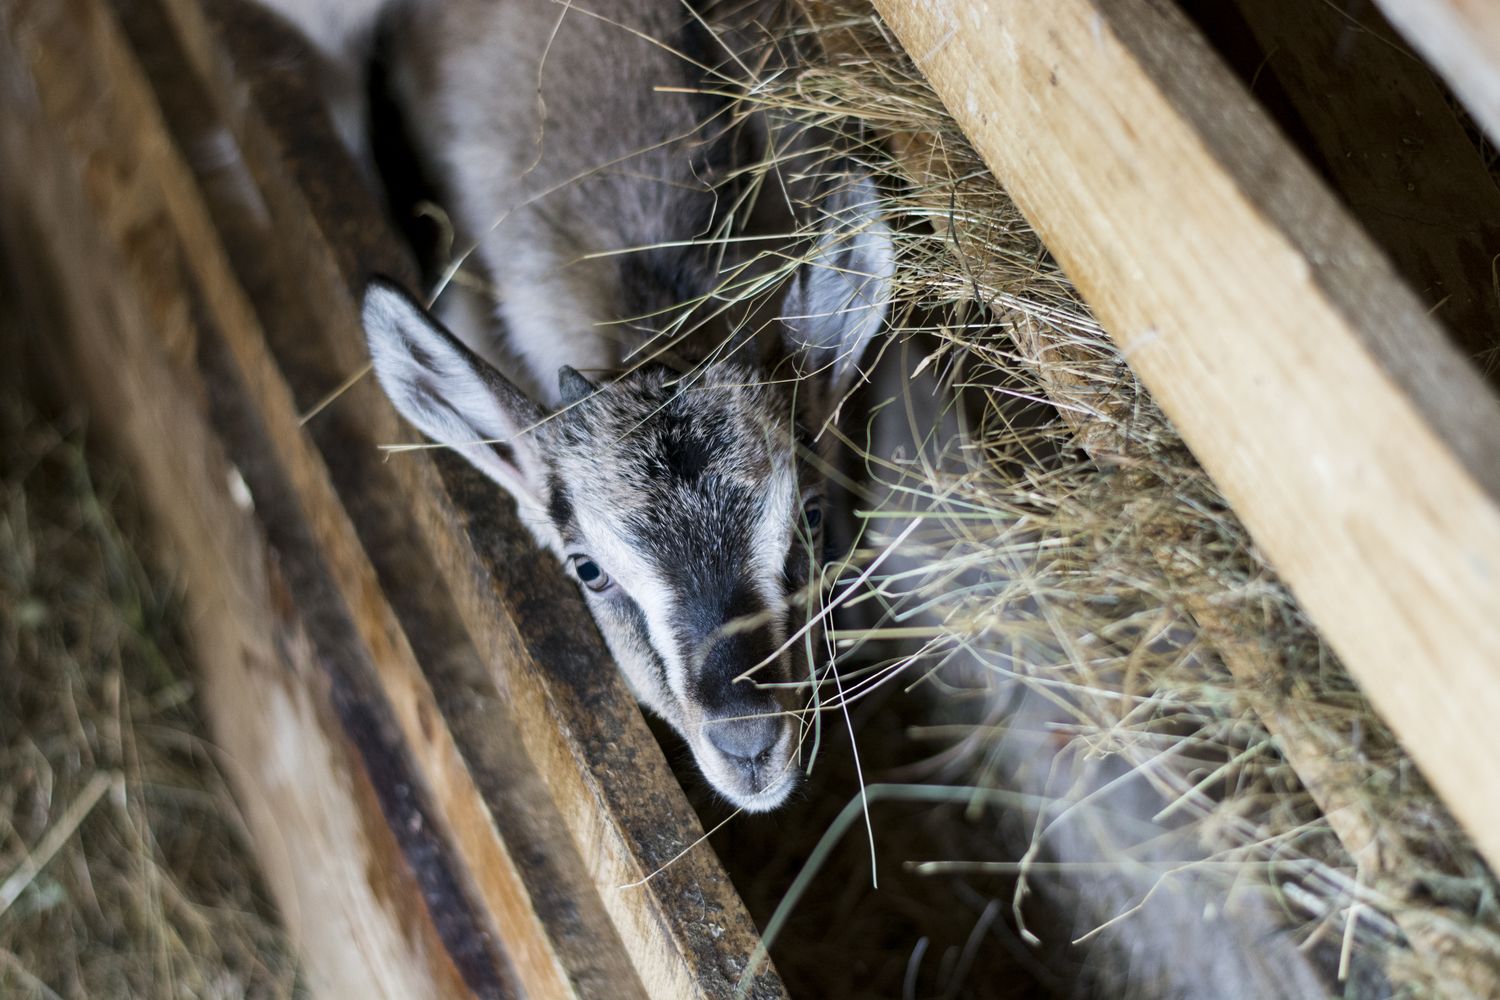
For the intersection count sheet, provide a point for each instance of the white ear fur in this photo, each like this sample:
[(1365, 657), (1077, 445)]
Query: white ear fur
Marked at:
[(838, 300), (450, 394)]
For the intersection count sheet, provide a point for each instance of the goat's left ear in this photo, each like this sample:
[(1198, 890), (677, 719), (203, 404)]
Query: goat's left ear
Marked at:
[(838, 300)]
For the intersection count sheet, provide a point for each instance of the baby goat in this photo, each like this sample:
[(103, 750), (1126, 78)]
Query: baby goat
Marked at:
[(577, 148)]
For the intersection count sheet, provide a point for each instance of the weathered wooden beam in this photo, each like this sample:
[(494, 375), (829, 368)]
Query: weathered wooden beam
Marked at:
[(1357, 445), (556, 759), (309, 754), (1461, 39)]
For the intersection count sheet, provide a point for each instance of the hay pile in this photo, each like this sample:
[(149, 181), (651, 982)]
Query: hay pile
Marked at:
[(124, 869), (1083, 580)]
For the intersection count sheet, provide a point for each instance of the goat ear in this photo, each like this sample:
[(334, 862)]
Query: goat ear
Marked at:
[(572, 387), (450, 394), (838, 299)]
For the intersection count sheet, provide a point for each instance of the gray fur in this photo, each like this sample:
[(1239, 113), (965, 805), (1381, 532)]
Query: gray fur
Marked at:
[(580, 155)]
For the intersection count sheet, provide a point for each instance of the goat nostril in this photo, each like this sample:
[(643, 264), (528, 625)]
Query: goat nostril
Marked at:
[(749, 742)]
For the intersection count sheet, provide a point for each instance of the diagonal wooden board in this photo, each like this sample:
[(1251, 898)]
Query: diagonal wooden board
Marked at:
[(1379, 127), (1359, 448), (1461, 39), (101, 265), (394, 559)]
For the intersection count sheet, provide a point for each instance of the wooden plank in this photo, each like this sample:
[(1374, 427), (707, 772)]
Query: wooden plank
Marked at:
[(1461, 39), (472, 709), (1378, 126), (686, 931), (1357, 445), (342, 879), (463, 871)]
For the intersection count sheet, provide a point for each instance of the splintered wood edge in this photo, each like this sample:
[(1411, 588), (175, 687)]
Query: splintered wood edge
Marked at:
[(1461, 40), (1359, 448)]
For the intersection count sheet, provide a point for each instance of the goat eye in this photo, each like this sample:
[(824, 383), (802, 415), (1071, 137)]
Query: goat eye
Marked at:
[(812, 512), (590, 574)]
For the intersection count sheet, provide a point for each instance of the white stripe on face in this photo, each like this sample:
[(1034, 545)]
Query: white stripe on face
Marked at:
[(780, 510), (637, 576)]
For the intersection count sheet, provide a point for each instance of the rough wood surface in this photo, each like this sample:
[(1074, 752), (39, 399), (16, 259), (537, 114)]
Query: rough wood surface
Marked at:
[(1359, 448), (543, 792), (102, 262), (1461, 39), (443, 865)]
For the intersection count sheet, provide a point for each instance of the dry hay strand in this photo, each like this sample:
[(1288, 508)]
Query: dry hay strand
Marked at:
[(124, 868), (1089, 616), (1076, 554)]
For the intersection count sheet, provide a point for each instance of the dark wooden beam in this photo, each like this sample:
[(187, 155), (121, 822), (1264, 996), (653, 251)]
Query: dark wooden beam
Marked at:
[(514, 771), (1379, 128)]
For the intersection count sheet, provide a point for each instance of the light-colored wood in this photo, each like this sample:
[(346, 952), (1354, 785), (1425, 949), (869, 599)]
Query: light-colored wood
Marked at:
[(353, 910), (1359, 448), (1461, 39), (324, 847)]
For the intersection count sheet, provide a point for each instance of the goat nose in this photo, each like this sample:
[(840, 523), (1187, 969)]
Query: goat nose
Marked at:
[(744, 739)]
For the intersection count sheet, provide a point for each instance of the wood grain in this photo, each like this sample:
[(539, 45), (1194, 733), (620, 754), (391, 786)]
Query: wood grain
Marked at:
[(615, 812), (104, 279), (1357, 445)]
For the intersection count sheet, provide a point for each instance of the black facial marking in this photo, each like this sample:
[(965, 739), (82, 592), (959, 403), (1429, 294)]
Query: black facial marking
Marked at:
[(637, 619), (689, 441), (559, 504), (726, 653), (687, 454)]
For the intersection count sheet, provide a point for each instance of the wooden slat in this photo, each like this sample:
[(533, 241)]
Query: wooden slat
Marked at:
[(1357, 445), (1461, 39), (295, 217), (101, 263)]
